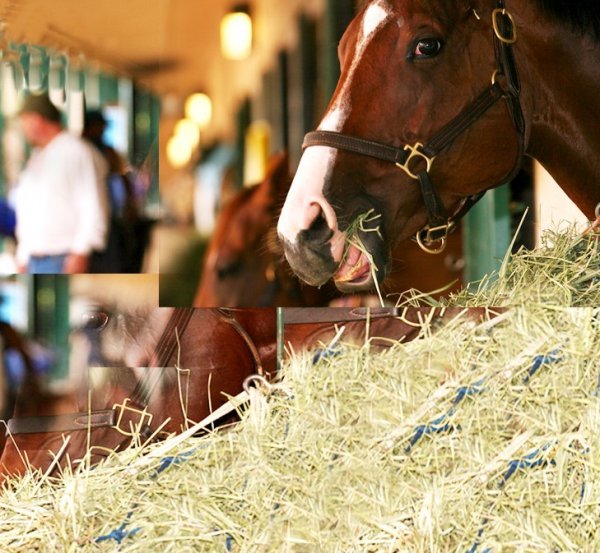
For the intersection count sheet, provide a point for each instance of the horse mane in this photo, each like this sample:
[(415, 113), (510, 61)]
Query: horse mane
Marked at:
[(582, 15)]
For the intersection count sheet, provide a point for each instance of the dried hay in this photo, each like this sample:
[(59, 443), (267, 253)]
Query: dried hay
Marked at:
[(564, 271), (473, 438)]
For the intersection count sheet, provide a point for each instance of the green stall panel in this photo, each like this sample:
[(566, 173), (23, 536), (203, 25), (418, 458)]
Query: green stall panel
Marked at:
[(49, 318), (244, 118), (108, 88), (338, 14), (486, 234), (146, 116)]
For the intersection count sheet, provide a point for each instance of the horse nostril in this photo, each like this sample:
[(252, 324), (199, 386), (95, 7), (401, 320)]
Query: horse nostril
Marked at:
[(318, 230)]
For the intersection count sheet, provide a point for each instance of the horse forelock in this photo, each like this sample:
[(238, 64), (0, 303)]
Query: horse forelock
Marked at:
[(372, 18)]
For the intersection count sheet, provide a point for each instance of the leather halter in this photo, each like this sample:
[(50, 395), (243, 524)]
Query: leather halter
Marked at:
[(416, 159)]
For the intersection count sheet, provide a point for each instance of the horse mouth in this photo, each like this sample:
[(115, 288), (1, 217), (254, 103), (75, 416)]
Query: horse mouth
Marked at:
[(355, 271)]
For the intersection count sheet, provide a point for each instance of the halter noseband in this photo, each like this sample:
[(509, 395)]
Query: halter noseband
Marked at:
[(416, 160)]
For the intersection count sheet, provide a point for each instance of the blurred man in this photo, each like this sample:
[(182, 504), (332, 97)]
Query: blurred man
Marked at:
[(61, 201), (120, 244)]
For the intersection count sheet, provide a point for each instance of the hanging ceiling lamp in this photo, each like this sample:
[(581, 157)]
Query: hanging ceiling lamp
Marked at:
[(189, 131), (236, 33), (198, 108)]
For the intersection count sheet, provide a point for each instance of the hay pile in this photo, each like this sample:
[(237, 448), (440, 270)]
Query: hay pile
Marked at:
[(473, 438), (564, 271)]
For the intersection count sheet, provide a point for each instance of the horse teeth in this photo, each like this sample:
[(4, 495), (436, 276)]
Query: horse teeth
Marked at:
[(354, 266)]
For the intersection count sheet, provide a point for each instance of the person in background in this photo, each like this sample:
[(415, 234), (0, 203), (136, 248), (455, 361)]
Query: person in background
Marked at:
[(61, 201), (123, 210)]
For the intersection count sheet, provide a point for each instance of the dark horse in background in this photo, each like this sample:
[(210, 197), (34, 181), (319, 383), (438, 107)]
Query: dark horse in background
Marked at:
[(151, 374), (438, 101), (244, 264)]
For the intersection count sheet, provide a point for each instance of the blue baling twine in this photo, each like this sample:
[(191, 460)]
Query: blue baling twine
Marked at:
[(170, 460), (532, 460), (437, 426), (326, 353), (541, 360), (440, 425), (465, 391), (120, 533), (477, 543), (535, 458)]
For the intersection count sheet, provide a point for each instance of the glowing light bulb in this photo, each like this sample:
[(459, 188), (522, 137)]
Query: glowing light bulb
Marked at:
[(236, 35), (198, 108)]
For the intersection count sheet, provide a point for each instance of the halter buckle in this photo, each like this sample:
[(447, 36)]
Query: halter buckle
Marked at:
[(425, 242), (145, 419), (414, 153), (512, 38)]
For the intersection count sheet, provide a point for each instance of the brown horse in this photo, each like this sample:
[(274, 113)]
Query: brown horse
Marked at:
[(245, 266), (186, 363), (438, 101)]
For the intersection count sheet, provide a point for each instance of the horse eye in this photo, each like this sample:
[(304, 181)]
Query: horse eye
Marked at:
[(230, 269), (94, 320), (426, 48)]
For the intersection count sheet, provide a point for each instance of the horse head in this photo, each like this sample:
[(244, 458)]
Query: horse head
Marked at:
[(244, 264), (427, 115)]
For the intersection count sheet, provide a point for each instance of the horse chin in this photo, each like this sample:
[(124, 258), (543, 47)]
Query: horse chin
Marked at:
[(313, 266)]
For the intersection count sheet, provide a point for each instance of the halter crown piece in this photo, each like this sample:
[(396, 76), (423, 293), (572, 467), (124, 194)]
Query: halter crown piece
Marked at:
[(417, 159)]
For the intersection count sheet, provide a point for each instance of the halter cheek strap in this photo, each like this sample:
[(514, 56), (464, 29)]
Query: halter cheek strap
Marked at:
[(416, 160)]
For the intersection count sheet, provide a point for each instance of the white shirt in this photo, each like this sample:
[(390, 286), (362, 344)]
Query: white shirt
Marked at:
[(61, 200)]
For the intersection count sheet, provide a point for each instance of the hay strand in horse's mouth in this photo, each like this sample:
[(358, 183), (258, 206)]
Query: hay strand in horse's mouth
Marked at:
[(357, 263)]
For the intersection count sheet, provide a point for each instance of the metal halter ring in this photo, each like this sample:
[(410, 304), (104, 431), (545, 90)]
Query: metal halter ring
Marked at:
[(414, 153), (495, 22), (257, 379), (144, 420), (426, 248)]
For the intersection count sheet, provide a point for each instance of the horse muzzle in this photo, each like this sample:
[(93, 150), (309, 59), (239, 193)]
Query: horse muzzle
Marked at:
[(311, 262), (356, 262)]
